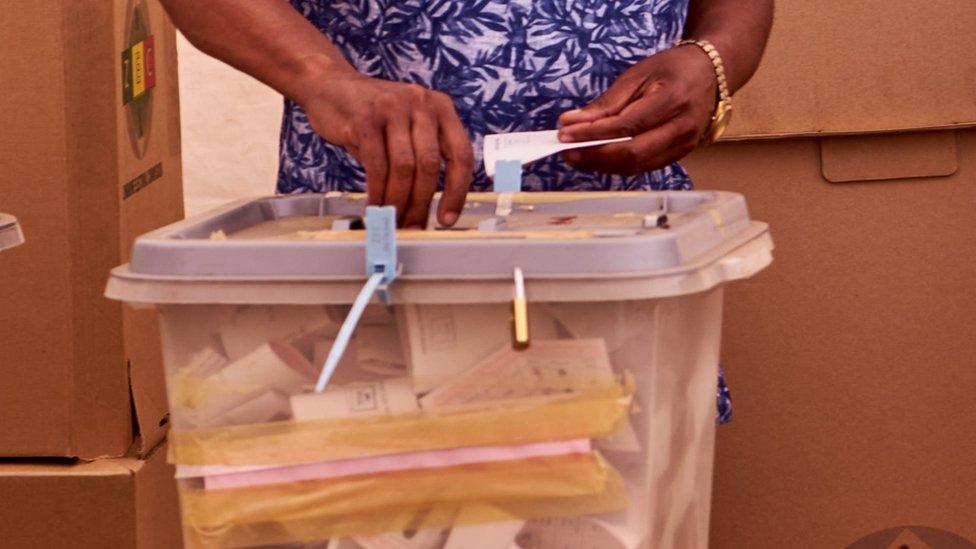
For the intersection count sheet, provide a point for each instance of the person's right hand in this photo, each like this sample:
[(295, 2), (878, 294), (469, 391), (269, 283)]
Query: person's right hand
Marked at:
[(400, 133)]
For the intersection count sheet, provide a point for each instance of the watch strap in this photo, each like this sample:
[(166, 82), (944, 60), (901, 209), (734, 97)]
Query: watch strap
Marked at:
[(712, 52)]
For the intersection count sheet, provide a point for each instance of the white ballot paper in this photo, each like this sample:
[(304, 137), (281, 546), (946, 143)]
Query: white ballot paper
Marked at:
[(251, 327), (209, 392), (356, 399), (578, 533), (547, 369), (420, 539), (529, 146), (490, 535), (443, 341)]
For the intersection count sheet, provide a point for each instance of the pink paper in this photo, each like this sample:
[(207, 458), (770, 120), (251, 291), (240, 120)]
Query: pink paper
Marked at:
[(395, 462)]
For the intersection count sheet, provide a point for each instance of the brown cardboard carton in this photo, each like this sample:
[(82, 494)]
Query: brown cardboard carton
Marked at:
[(88, 164), (120, 503), (836, 66), (851, 361)]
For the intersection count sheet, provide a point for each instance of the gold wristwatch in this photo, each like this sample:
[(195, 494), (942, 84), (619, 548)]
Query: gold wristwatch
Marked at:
[(723, 108)]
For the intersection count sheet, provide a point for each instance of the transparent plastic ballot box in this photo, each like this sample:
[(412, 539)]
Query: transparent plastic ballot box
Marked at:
[(455, 417), (10, 232)]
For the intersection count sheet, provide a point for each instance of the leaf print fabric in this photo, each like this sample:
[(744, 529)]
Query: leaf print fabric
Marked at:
[(508, 65)]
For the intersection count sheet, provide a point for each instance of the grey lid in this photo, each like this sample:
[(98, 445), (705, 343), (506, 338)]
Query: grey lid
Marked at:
[(265, 237), (571, 247), (10, 233)]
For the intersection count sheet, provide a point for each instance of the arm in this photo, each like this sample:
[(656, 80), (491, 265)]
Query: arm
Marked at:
[(399, 132), (666, 101), (739, 29)]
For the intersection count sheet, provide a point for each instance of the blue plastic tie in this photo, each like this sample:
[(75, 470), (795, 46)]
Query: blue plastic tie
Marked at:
[(345, 332), (381, 268), (508, 176), (381, 251)]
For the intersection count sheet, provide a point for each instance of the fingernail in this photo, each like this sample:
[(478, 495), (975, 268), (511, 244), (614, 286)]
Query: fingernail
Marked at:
[(450, 218)]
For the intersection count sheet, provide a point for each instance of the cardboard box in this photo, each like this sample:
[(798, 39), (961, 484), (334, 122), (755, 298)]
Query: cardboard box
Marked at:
[(89, 159), (119, 502), (851, 360), (841, 67)]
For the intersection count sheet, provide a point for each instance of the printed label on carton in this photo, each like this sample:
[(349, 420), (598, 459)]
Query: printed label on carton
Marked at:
[(142, 181), (138, 69)]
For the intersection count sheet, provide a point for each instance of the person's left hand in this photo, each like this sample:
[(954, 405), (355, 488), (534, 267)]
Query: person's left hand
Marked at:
[(665, 103)]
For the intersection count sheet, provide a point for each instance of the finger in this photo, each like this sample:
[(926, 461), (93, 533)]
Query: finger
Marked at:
[(371, 153), (459, 168), (400, 157), (651, 110), (646, 152), (426, 148), (620, 93)]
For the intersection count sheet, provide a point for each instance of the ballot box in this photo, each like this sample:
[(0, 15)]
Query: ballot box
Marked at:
[(10, 232), (543, 374)]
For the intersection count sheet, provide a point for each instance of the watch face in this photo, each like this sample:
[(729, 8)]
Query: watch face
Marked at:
[(720, 122)]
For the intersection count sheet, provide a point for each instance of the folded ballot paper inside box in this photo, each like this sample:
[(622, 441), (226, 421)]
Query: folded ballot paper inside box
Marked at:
[(420, 442), (434, 430), (409, 430), (443, 341)]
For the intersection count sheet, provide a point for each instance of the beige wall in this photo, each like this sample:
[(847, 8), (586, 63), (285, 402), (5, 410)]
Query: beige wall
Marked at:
[(230, 128)]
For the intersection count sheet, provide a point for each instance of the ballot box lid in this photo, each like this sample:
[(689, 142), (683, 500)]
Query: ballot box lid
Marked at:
[(317, 239)]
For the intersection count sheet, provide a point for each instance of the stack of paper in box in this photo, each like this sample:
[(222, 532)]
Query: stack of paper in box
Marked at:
[(433, 423)]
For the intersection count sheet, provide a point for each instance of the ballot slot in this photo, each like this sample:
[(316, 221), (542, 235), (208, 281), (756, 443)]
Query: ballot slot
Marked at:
[(290, 218)]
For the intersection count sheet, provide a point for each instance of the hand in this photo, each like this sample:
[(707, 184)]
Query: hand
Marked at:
[(400, 133), (665, 103)]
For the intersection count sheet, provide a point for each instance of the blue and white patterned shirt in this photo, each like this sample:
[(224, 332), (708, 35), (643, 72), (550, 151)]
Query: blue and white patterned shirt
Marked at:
[(509, 65)]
